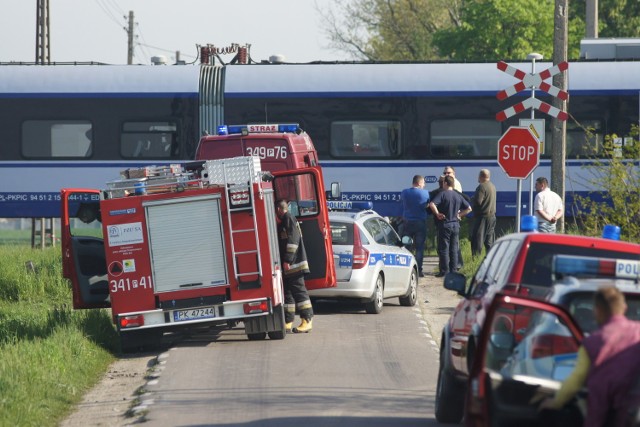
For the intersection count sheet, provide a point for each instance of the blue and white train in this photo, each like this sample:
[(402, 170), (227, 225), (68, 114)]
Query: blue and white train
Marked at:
[(375, 125)]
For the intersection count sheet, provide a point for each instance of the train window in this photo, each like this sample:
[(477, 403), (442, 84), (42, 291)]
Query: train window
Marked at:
[(584, 139), (465, 138), (149, 140), (57, 138), (365, 139)]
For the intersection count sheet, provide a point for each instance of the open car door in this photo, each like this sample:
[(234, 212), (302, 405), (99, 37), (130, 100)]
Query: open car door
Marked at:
[(304, 190), (83, 256), (513, 371)]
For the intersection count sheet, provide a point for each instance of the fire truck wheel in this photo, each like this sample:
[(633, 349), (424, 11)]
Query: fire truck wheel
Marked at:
[(277, 335), (257, 336)]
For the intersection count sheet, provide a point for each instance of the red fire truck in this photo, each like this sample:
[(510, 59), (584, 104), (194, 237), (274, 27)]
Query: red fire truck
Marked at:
[(190, 245)]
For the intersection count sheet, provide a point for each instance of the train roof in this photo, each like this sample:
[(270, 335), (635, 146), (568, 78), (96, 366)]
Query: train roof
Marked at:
[(103, 80), (309, 80), (423, 79)]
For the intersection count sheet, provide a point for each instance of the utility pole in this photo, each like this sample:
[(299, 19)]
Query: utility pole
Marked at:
[(559, 127), (130, 39), (592, 19), (43, 45)]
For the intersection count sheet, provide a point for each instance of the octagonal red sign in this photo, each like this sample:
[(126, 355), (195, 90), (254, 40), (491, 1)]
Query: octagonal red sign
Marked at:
[(518, 152)]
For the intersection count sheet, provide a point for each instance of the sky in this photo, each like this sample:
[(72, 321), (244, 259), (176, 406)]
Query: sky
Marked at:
[(94, 30)]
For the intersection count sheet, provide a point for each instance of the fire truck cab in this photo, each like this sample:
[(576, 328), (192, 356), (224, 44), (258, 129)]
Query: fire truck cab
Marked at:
[(288, 153), (186, 245)]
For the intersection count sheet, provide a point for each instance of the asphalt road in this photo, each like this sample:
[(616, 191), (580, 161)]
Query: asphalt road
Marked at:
[(353, 369)]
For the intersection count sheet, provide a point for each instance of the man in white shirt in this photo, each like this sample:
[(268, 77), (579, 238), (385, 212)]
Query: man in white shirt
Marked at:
[(548, 206)]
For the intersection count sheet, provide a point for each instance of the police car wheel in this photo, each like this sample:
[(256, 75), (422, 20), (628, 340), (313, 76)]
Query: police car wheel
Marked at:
[(410, 298), (377, 301)]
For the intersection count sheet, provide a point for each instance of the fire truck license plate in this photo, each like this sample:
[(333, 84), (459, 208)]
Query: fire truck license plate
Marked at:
[(194, 313)]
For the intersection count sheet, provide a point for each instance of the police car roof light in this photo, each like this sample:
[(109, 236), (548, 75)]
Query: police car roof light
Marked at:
[(603, 267), (258, 128)]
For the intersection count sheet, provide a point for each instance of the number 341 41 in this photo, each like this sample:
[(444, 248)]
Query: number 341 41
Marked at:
[(125, 285)]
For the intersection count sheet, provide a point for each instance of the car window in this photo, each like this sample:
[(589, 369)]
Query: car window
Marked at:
[(389, 233), (342, 233), (547, 349), (478, 278), (374, 228), (580, 305), (506, 263), (537, 267), (496, 262)]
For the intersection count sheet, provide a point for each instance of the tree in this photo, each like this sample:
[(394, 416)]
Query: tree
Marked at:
[(616, 18), (465, 30), (388, 30), (615, 171), (499, 29)]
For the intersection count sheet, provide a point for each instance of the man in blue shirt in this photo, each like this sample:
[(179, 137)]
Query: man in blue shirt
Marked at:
[(414, 214)]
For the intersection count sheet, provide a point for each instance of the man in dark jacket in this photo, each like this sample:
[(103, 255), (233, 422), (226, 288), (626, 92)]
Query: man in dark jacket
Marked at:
[(293, 259), (484, 214), (449, 206)]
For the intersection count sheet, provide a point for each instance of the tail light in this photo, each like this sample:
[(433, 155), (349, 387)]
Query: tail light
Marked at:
[(131, 321), (256, 307), (360, 254), (550, 345)]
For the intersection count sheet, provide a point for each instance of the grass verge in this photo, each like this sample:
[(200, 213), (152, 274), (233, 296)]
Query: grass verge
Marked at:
[(50, 354)]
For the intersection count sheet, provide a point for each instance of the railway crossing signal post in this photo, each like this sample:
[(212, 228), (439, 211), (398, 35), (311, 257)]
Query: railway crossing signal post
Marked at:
[(529, 80), (518, 156)]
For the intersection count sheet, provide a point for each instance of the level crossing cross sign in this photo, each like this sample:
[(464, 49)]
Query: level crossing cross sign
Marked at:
[(518, 152), (532, 80)]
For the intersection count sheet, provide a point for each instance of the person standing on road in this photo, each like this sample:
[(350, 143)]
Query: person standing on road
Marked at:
[(414, 214), (484, 214), (449, 170), (293, 259), (449, 206), (548, 206), (607, 362)]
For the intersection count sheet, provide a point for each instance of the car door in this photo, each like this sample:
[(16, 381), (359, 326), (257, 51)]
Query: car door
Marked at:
[(342, 238), (397, 261), (83, 256), (464, 317), (304, 190), (495, 395)]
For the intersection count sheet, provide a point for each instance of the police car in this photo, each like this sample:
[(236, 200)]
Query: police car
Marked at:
[(372, 263), (510, 375), (547, 349)]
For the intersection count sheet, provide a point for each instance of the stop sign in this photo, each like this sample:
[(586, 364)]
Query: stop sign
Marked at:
[(518, 152)]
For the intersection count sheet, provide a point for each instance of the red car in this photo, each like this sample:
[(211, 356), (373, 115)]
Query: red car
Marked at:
[(517, 264)]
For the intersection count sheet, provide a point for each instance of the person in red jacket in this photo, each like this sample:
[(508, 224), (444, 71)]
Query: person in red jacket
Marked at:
[(607, 363)]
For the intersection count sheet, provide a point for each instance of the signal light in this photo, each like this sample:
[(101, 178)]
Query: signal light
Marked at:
[(256, 307), (360, 254), (551, 345), (131, 321)]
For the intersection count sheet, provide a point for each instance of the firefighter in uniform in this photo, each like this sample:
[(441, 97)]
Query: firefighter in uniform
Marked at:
[(293, 258)]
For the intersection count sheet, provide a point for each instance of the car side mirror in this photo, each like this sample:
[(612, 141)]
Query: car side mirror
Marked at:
[(406, 241), (455, 281)]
